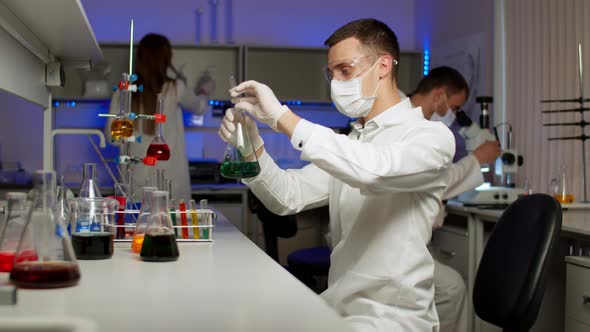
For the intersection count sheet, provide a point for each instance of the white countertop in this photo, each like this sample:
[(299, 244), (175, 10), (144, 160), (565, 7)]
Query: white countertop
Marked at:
[(575, 221), (227, 285)]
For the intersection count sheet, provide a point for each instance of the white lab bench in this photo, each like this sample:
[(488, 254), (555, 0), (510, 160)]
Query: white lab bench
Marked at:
[(463, 245), (227, 285)]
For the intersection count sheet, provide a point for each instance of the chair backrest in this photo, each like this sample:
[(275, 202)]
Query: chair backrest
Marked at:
[(511, 277)]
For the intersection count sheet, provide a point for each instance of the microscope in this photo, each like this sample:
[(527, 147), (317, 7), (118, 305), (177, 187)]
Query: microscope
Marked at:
[(506, 165)]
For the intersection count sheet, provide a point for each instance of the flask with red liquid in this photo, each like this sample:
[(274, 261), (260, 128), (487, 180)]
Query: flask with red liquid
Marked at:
[(158, 148), (12, 229), (54, 264)]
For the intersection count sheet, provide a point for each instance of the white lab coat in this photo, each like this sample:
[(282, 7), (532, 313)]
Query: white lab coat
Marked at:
[(383, 184), (176, 167), (450, 291), (464, 175)]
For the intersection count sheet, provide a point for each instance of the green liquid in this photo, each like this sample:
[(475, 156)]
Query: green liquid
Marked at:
[(239, 169), (159, 248)]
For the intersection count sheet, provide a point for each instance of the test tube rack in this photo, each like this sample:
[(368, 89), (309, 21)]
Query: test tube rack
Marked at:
[(204, 225)]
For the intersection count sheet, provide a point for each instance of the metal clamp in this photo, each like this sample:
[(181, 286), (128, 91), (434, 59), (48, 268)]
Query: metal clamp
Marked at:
[(586, 299), (448, 253)]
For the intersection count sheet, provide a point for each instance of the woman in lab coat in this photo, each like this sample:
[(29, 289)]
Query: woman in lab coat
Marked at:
[(152, 64), (383, 182)]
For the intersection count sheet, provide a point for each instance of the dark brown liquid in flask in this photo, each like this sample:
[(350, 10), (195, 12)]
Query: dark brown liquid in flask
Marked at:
[(94, 245), (159, 248), (55, 265), (45, 274)]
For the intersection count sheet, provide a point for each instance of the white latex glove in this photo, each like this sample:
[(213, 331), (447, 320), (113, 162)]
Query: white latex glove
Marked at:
[(475, 136), (259, 101), (231, 130)]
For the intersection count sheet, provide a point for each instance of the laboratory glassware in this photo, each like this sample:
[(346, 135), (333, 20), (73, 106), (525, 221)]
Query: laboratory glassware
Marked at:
[(12, 229), (158, 148), (122, 126), (63, 207), (172, 207), (194, 219), (562, 187), (89, 188), (94, 232), (235, 165), (159, 244), (206, 219), (55, 264), (183, 218), (142, 219)]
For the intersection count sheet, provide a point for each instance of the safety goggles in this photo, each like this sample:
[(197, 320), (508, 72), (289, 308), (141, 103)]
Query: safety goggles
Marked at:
[(343, 70)]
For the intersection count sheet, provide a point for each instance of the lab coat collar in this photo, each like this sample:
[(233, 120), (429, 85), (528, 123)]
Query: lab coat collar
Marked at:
[(397, 114)]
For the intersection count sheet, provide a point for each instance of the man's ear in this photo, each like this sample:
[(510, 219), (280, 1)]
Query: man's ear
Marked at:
[(385, 65)]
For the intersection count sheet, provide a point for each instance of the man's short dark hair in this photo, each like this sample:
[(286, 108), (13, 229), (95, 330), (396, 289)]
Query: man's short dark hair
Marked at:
[(443, 76), (372, 33)]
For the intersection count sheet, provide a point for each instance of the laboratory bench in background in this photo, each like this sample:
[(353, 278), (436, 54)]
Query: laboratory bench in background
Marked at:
[(226, 285), (460, 243)]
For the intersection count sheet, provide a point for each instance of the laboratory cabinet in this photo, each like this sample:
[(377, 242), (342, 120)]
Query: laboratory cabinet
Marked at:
[(294, 73), (450, 246), (577, 304)]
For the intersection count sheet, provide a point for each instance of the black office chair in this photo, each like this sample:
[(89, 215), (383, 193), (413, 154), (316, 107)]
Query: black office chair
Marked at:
[(305, 264), (512, 274), (273, 226)]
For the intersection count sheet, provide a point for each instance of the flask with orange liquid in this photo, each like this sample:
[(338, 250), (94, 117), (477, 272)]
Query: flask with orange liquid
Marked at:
[(142, 219), (562, 188)]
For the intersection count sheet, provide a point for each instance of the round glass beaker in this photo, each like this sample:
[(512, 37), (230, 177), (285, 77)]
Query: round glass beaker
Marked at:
[(93, 229)]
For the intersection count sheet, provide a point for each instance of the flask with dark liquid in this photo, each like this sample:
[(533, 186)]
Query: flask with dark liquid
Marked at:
[(93, 235), (54, 263), (159, 243), (239, 160), (158, 148), (12, 229), (142, 219)]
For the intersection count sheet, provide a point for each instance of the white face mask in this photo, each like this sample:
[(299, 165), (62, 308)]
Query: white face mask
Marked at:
[(348, 96), (448, 119)]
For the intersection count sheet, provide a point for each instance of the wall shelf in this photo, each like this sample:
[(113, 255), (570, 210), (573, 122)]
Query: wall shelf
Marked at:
[(36, 32)]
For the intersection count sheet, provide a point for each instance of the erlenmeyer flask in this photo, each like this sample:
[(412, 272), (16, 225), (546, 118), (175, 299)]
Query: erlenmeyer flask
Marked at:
[(12, 229), (239, 159), (95, 227), (159, 244), (142, 219), (55, 264), (89, 188), (563, 190), (122, 126), (158, 148)]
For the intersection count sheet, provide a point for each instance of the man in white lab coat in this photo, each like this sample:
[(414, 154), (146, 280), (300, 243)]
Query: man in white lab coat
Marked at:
[(383, 182), (440, 94)]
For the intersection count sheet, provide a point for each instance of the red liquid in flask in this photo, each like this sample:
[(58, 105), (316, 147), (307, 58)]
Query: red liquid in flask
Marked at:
[(45, 274), (7, 259), (159, 151)]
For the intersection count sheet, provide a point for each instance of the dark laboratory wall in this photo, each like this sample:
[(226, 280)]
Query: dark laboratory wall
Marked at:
[(21, 131)]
